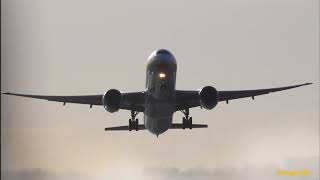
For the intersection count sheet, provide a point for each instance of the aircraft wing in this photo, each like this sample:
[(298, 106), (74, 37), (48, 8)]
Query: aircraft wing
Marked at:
[(190, 99), (228, 95), (130, 101), (186, 99), (87, 99)]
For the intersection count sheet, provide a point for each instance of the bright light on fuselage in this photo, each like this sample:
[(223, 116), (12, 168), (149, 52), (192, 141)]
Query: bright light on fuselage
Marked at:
[(162, 75)]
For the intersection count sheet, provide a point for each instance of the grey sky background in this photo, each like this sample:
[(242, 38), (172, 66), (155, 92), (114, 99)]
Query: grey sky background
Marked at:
[(74, 47)]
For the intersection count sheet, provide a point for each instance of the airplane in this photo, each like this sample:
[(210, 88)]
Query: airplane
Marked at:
[(160, 100)]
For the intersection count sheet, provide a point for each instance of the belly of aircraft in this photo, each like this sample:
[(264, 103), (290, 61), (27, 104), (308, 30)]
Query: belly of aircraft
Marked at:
[(158, 117)]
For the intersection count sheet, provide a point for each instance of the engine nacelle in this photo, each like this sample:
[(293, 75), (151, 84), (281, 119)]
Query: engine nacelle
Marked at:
[(208, 97), (111, 100)]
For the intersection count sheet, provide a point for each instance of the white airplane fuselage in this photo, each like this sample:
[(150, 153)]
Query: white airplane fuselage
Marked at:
[(160, 91)]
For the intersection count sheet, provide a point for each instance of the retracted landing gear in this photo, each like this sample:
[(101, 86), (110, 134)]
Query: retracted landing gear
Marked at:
[(133, 122), (186, 121)]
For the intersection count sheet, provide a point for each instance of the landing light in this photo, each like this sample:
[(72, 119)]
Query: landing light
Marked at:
[(162, 75)]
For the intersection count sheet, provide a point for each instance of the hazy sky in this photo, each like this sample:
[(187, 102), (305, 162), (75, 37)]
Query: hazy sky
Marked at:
[(76, 47)]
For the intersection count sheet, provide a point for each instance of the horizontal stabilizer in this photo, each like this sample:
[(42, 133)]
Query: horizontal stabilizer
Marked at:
[(142, 127), (180, 126), (124, 128)]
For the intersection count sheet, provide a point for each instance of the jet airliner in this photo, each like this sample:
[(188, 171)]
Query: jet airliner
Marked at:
[(160, 99)]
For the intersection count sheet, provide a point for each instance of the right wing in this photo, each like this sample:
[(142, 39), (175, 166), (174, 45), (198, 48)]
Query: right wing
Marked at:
[(130, 101), (85, 99)]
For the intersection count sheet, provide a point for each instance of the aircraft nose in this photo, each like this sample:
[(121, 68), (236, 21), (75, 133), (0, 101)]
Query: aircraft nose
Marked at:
[(163, 55), (161, 58), (163, 51)]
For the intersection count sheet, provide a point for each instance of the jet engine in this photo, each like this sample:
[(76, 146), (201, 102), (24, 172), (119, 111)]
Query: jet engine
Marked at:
[(111, 100), (208, 97)]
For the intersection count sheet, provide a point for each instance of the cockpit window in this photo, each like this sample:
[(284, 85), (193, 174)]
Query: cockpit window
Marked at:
[(163, 51)]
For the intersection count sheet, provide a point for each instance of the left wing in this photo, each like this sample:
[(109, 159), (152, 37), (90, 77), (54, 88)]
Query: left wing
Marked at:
[(228, 95), (190, 99), (130, 101)]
